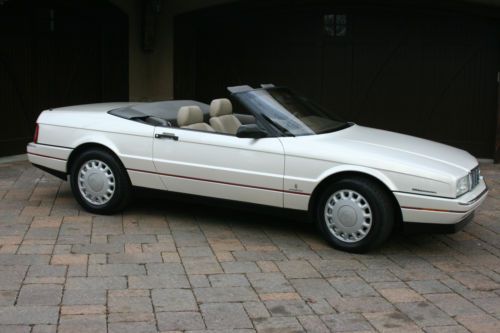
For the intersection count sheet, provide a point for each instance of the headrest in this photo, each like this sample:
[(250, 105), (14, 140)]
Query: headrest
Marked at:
[(220, 107), (188, 115)]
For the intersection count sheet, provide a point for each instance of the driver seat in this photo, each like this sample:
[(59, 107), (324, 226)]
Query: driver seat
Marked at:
[(222, 118)]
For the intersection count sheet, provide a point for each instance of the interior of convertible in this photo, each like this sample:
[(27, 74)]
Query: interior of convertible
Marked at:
[(218, 117)]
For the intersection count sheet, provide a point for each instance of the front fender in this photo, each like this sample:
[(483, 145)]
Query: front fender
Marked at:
[(360, 169)]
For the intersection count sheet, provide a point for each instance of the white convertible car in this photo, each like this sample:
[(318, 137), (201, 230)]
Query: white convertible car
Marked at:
[(264, 146)]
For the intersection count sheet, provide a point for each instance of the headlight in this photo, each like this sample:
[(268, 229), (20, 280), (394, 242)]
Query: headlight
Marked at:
[(462, 185)]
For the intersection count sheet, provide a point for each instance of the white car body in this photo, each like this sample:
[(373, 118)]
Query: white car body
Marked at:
[(275, 171)]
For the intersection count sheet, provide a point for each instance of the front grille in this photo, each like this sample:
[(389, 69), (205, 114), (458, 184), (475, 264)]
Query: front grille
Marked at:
[(475, 175)]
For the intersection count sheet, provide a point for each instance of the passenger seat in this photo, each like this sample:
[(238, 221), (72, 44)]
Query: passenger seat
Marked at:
[(192, 117), (222, 118)]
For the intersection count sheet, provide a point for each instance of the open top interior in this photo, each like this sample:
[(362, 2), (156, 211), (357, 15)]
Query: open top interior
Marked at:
[(217, 117)]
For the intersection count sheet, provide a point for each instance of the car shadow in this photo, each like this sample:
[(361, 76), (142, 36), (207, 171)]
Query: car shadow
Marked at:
[(228, 213)]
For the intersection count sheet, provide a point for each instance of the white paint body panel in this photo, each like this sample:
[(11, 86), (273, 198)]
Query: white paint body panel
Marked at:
[(222, 166), (281, 172)]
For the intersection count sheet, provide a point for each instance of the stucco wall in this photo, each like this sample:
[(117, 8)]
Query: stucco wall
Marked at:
[(151, 74)]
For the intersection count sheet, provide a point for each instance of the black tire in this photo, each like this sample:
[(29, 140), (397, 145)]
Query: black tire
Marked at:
[(121, 182), (380, 207)]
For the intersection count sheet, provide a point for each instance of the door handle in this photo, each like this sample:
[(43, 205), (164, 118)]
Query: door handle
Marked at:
[(170, 136)]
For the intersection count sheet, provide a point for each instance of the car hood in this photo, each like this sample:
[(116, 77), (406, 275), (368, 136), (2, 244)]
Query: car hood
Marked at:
[(392, 142), (359, 145)]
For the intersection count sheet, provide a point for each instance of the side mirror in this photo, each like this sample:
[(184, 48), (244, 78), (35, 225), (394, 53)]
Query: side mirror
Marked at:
[(251, 131)]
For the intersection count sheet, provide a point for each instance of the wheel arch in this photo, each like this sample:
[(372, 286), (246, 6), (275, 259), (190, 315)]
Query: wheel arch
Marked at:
[(86, 146), (372, 175)]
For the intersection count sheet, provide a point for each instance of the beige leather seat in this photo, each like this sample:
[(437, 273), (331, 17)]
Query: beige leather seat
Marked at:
[(192, 117), (222, 118)]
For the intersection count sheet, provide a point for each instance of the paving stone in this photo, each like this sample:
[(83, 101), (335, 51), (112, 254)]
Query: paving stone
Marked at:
[(288, 308), (199, 281), (225, 316), (12, 279), (83, 324), (132, 327), (116, 270), (129, 304), (446, 329), (201, 265), (179, 321), (8, 297), (84, 296), (269, 282), (15, 329), (28, 315), (46, 271), (352, 286), (454, 304), (360, 304), (165, 268), (429, 287), (44, 329), (297, 269), (158, 281), (35, 249), (267, 266), (256, 310), (391, 322), (69, 259), (475, 281), (425, 314), (489, 304), (174, 300), (224, 294), (480, 323), (331, 267), (228, 280), (97, 248), (96, 283), (195, 251), (240, 267), (377, 275), (82, 309), (134, 258), (258, 255), (40, 294), (278, 324), (320, 307), (312, 323), (314, 288), (121, 317), (343, 322), (77, 271), (398, 295), (24, 259)]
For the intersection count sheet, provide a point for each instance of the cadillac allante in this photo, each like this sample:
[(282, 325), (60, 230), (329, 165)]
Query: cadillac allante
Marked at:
[(265, 146)]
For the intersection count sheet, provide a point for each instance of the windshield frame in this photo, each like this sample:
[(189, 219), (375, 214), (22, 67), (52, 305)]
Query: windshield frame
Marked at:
[(250, 99)]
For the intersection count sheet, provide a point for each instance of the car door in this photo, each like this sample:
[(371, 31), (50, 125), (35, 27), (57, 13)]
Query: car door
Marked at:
[(219, 165)]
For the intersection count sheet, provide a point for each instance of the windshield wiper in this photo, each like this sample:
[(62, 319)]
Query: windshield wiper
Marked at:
[(278, 126)]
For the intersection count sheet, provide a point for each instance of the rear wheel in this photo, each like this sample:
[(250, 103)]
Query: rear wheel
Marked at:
[(355, 214), (99, 182)]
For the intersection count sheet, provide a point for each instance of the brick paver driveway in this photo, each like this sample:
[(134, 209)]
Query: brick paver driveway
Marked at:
[(169, 266)]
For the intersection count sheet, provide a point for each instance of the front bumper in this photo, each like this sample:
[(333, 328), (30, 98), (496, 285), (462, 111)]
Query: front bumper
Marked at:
[(48, 157), (435, 210)]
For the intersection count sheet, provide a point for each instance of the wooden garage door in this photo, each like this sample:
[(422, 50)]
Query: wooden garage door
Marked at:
[(423, 73), (55, 54)]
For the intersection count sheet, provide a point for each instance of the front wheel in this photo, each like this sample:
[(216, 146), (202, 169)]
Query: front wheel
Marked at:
[(99, 182), (355, 214)]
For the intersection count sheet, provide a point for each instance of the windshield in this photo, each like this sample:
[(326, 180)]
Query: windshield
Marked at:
[(291, 114)]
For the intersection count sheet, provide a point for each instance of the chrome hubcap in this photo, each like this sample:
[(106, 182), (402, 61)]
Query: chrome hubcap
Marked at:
[(348, 216), (96, 182)]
